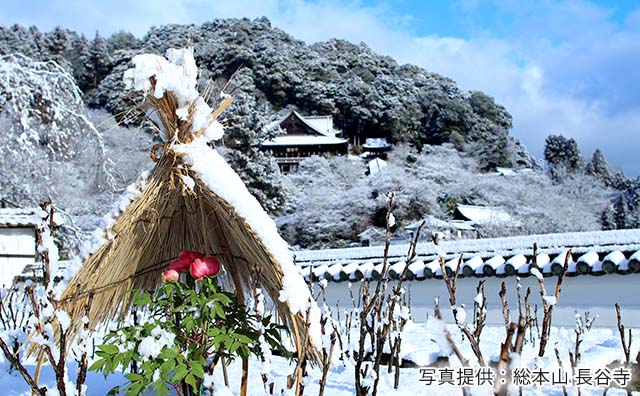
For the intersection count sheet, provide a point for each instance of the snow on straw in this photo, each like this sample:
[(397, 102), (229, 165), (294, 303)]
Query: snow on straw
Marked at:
[(102, 234), (218, 176), (176, 73)]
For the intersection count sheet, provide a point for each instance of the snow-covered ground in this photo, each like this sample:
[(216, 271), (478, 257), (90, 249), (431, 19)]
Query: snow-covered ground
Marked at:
[(422, 340), (600, 347), (423, 345)]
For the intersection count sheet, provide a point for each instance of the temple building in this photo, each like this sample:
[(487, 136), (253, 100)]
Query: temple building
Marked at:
[(304, 136)]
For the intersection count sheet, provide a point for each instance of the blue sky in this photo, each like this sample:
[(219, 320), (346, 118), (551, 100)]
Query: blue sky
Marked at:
[(570, 67)]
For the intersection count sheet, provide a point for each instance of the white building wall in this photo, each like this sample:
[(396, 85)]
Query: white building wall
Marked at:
[(15, 242)]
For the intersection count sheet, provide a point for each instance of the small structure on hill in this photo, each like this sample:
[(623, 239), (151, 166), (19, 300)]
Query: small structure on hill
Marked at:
[(505, 171), (371, 235), (304, 136), (481, 214), (376, 148), (375, 165), (454, 229)]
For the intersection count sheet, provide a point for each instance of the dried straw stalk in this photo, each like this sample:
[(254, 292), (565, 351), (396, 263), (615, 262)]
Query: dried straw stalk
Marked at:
[(165, 220)]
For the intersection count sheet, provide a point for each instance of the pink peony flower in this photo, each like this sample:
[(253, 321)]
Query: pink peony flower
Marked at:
[(213, 265), (170, 276), (204, 267), (190, 255), (184, 260)]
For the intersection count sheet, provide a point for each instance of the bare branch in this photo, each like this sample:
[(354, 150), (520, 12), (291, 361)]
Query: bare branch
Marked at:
[(547, 307), (505, 305), (626, 346), (503, 364)]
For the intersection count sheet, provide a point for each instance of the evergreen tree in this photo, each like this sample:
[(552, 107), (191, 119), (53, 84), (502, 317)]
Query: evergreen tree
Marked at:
[(20, 40), (599, 168), (623, 215), (608, 218), (75, 55), (562, 155), (56, 44), (96, 61), (122, 40)]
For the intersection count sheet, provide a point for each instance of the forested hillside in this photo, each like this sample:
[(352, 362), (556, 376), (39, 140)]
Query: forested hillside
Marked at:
[(81, 157)]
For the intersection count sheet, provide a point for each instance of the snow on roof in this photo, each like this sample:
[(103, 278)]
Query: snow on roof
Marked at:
[(303, 140), (22, 217), (432, 222), (16, 217), (505, 171), (323, 125), (371, 232), (376, 165), (598, 243), (580, 242), (482, 214), (375, 143), (462, 225)]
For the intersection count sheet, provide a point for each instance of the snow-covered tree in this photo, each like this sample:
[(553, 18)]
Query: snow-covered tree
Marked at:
[(18, 39), (333, 202), (599, 168), (45, 128), (56, 44), (562, 155), (122, 40), (260, 173), (96, 61)]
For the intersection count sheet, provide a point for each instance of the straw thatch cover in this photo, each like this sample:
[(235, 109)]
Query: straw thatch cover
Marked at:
[(191, 200)]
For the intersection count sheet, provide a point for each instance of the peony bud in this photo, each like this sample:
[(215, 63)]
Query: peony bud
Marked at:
[(170, 276)]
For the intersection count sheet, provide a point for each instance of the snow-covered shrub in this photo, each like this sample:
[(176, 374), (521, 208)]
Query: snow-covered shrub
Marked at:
[(32, 321), (332, 202), (46, 122)]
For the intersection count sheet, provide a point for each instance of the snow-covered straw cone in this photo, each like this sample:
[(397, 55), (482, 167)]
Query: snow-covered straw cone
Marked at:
[(192, 201)]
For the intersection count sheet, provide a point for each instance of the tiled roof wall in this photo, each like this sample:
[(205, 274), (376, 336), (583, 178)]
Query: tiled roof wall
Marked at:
[(595, 253)]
